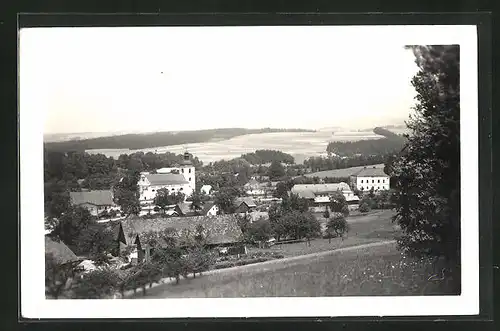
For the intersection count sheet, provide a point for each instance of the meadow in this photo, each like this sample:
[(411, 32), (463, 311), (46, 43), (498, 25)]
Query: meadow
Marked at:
[(300, 145), (366, 262)]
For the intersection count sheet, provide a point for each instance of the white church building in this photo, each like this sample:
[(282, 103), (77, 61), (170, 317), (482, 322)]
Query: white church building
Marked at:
[(175, 179)]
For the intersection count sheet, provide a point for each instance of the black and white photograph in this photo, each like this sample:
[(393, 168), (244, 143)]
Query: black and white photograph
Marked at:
[(241, 171)]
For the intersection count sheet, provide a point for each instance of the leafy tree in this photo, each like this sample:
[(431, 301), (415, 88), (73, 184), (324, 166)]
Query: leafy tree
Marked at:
[(295, 203), (225, 198), (427, 173), (57, 276), (56, 199), (326, 214), (96, 241), (71, 225), (277, 221), (338, 204), (97, 284), (196, 201), (337, 227), (259, 231), (276, 170), (281, 190), (126, 194), (364, 207), (164, 198)]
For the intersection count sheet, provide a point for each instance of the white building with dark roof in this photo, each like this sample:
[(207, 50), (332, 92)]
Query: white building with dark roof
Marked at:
[(321, 193), (185, 168), (370, 177), (149, 184)]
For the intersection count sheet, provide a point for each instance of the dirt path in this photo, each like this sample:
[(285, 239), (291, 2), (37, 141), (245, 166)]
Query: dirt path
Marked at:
[(264, 266)]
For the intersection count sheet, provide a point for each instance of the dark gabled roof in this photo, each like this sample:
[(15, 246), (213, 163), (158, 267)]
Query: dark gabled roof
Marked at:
[(166, 179), (221, 229), (98, 197), (206, 207), (247, 200), (184, 207), (60, 252), (371, 172)]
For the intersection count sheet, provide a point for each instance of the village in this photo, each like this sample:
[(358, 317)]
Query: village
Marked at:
[(236, 225)]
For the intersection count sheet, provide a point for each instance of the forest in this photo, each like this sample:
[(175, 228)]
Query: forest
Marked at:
[(262, 156), (391, 144), (157, 139)]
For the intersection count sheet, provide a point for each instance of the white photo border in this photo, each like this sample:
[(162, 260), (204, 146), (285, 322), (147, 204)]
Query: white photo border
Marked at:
[(34, 304)]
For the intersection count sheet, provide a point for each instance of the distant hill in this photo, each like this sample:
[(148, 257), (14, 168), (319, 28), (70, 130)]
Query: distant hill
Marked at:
[(157, 139)]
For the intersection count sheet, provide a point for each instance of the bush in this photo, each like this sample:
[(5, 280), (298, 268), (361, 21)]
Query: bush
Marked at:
[(97, 284), (364, 207), (337, 227)]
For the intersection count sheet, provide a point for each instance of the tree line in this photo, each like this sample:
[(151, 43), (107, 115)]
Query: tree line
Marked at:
[(267, 156)]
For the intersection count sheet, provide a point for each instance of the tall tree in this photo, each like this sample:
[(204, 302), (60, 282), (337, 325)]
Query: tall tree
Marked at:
[(427, 173), (225, 198), (71, 224), (126, 194), (276, 170)]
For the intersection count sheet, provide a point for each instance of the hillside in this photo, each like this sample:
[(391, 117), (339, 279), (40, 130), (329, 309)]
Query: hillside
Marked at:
[(392, 143), (157, 139)]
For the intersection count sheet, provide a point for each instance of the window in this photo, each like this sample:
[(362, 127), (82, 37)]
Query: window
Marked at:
[(361, 181), (181, 189), (189, 178), (173, 189), (362, 188), (153, 190), (383, 181), (182, 170), (189, 170), (378, 181)]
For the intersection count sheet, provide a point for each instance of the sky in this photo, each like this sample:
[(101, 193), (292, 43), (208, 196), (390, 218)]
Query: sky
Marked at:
[(144, 79)]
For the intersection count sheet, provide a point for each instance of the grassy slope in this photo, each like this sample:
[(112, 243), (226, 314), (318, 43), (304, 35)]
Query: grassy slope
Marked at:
[(381, 270)]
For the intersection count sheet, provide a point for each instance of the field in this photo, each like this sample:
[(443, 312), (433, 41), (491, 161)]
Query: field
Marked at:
[(299, 144), (374, 270), (367, 262)]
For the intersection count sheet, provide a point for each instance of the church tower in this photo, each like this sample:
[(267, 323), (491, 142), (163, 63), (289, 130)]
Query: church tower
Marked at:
[(187, 169)]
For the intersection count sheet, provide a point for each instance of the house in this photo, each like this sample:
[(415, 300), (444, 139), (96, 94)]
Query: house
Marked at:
[(320, 193), (206, 189), (186, 169), (149, 184), (209, 209), (219, 231), (96, 202), (244, 205), (254, 188), (61, 253), (184, 209), (370, 177)]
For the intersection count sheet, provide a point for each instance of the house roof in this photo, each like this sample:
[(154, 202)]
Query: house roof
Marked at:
[(247, 200), (371, 172), (206, 207), (60, 252), (166, 179), (306, 194), (346, 172), (256, 215), (321, 188), (252, 182), (98, 197), (220, 229), (184, 207)]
